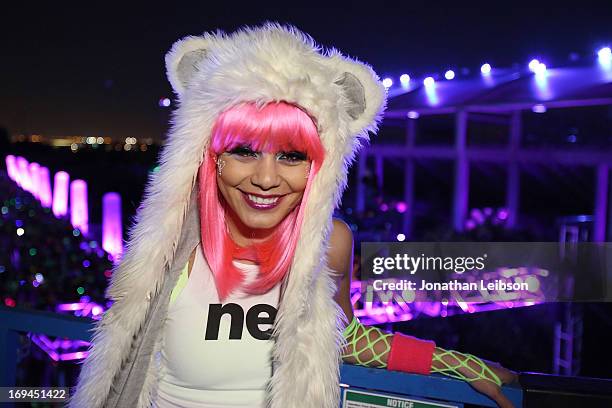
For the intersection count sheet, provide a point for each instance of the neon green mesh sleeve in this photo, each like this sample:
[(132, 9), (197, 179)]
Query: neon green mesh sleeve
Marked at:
[(463, 366), (366, 346)]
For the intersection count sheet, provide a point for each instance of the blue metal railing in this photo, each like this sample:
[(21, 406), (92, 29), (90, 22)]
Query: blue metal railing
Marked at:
[(15, 320)]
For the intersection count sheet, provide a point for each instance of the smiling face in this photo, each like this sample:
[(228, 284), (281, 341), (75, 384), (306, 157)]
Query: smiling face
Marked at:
[(261, 188), (266, 154)]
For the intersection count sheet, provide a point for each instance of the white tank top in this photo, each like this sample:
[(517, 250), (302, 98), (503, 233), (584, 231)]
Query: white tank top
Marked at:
[(216, 355)]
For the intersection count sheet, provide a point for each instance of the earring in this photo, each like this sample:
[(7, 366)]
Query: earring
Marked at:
[(220, 165)]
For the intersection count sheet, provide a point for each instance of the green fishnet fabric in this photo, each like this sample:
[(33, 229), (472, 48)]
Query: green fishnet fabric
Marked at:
[(366, 345), (453, 362)]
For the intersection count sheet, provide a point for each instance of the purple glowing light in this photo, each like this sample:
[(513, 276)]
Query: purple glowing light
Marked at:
[(502, 214), (11, 167), (413, 115), (405, 80), (79, 215), (164, 102), (23, 173), (604, 55), (60, 193), (429, 81), (485, 69), (33, 168), (44, 187), (450, 74), (387, 82), (384, 207), (112, 230), (401, 237), (401, 207), (470, 225), (539, 108)]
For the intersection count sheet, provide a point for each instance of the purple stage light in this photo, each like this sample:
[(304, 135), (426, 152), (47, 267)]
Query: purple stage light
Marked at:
[(485, 69), (540, 69), (539, 108), (413, 115), (112, 231), (23, 178), (470, 225), (477, 216), (79, 215), (384, 207), (604, 54), (44, 187), (164, 102), (387, 82), (401, 237), (430, 91), (502, 214), (405, 80), (401, 207), (11, 167), (533, 65), (34, 179), (60, 193), (450, 74)]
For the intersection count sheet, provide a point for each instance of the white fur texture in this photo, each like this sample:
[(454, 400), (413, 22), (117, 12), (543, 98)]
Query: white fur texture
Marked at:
[(263, 64)]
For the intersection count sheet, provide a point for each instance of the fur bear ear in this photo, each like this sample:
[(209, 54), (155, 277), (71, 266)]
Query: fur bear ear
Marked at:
[(183, 59), (364, 94)]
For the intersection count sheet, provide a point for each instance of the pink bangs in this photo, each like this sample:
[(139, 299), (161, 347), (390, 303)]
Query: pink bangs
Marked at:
[(274, 127)]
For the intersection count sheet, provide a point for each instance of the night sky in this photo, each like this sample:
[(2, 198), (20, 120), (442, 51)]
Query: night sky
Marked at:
[(99, 70)]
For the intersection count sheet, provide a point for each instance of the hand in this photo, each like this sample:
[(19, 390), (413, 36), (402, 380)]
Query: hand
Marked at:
[(491, 389)]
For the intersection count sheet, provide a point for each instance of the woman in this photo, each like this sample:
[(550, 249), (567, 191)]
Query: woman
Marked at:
[(236, 231)]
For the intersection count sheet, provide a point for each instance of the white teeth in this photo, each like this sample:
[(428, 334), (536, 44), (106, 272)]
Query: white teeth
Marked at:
[(259, 200)]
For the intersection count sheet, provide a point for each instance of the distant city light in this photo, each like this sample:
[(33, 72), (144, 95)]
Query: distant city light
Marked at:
[(20, 231), (401, 237), (450, 74), (131, 140), (91, 140), (387, 82), (539, 108), (429, 81), (74, 147), (413, 115), (405, 79), (485, 69), (100, 140), (533, 65)]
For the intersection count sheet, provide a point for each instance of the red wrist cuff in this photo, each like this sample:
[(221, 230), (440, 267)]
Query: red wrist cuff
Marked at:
[(410, 355)]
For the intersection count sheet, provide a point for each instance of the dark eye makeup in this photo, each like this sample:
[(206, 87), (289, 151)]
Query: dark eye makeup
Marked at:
[(291, 156)]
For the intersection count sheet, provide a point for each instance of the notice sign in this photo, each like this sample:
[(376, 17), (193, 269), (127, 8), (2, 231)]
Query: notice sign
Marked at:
[(362, 399)]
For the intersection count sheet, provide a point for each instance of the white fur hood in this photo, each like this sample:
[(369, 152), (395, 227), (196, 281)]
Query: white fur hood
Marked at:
[(209, 74)]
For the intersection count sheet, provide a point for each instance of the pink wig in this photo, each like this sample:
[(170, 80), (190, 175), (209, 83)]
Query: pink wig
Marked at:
[(274, 127)]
